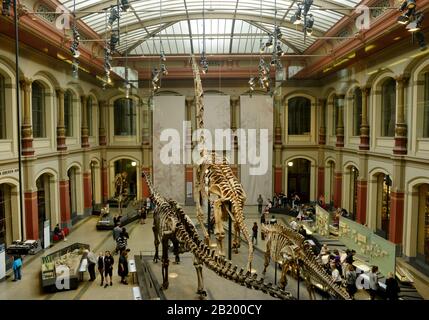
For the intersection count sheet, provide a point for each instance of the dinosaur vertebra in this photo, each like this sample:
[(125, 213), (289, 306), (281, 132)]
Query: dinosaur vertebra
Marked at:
[(289, 247), (221, 182), (175, 225)]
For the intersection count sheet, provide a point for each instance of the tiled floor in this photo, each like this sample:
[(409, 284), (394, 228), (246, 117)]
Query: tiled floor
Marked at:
[(141, 243)]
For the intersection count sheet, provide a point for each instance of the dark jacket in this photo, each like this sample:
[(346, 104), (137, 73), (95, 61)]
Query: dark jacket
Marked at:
[(108, 262), (100, 262), (392, 289), (123, 266)]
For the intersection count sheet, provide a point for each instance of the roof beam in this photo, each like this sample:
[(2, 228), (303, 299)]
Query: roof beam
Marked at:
[(211, 15), (233, 27), (323, 4), (189, 27), (290, 45), (148, 36)]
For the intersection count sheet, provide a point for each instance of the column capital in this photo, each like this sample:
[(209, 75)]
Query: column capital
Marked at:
[(84, 98), (402, 79), (322, 101), (60, 91), (365, 90), (340, 96), (189, 99), (102, 103), (26, 83), (278, 99)]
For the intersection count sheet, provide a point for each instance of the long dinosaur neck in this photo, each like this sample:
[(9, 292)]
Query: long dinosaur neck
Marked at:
[(199, 94)]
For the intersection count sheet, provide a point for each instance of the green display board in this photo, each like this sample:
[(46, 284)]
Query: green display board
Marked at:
[(323, 220), (365, 242)]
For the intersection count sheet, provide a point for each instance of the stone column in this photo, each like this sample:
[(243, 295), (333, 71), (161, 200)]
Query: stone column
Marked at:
[(401, 126), (84, 128), (31, 215), (364, 127), (102, 136), (235, 102), (277, 122), (26, 125), (104, 179), (340, 125), (322, 128), (397, 197), (61, 131)]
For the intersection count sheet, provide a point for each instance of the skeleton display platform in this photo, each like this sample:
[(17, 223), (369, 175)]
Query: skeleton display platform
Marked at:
[(64, 263)]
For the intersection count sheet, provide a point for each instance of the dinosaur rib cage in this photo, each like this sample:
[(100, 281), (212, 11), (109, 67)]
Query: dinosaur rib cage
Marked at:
[(280, 236)]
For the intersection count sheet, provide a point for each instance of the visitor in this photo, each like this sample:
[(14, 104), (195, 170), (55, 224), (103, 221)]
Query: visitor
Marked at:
[(260, 202), (294, 224), (123, 266), (125, 233), (121, 243), (17, 266), (302, 231), (321, 201), (350, 256), (117, 230), (255, 233), (148, 204), (392, 287), (108, 268), (92, 261), (295, 201), (59, 233), (336, 276), (100, 266), (373, 282), (143, 215), (273, 220), (117, 219), (350, 276)]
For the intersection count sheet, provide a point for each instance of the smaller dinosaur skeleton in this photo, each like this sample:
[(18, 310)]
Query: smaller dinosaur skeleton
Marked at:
[(173, 224), (121, 188), (287, 246)]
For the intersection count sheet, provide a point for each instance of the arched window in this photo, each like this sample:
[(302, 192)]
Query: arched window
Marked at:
[(2, 108), (68, 113), (357, 111), (388, 108), (38, 110), (89, 115), (426, 108), (299, 116), (125, 117)]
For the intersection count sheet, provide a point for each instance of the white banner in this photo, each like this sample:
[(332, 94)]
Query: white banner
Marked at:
[(256, 112), (169, 179)]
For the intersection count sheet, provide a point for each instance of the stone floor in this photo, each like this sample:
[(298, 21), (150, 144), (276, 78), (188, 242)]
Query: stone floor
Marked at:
[(182, 284)]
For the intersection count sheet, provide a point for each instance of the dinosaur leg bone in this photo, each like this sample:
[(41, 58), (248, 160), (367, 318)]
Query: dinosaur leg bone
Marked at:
[(165, 262), (219, 230), (199, 270)]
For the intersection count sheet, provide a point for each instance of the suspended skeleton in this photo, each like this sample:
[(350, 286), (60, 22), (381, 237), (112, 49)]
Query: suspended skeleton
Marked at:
[(286, 246), (214, 177), (173, 224), (121, 188)]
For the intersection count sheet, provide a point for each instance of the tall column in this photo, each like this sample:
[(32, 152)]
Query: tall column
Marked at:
[(104, 179), (277, 155), (64, 188), (340, 124), (397, 197), (277, 122), (26, 126), (61, 131), (322, 128), (401, 126), (31, 215), (364, 127), (102, 137), (235, 102), (84, 128)]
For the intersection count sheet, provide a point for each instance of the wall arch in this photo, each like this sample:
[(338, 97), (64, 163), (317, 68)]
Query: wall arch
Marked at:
[(313, 163), (13, 218)]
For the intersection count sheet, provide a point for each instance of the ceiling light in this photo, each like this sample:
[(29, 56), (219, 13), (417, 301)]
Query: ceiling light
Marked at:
[(164, 69), (155, 75), (252, 81), (125, 5), (6, 7), (279, 50), (309, 22), (163, 57), (269, 43), (307, 5), (421, 40), (114, 15), (278, 33), (290, 164), (114, 39), (133, 163), (296, 18)]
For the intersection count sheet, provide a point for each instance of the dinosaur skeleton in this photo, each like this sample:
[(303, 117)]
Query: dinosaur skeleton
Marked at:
[(214, 177), (173, 224), (121, 188), (287, 246)]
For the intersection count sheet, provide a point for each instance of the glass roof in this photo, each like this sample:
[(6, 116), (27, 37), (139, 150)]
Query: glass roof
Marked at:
[(231, 26)]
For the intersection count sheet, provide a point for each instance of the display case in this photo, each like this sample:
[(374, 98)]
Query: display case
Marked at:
[(62, 267)]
